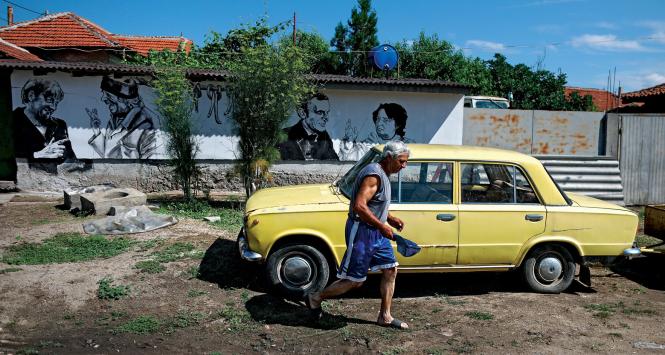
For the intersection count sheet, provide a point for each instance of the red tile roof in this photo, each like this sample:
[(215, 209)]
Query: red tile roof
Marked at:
[(652, 91), (13, 51), (602, 99), (57, 30), (66, 29), (143, 44)]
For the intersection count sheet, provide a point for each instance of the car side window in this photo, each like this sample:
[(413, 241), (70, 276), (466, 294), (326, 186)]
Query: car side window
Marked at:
[(424, 182), (495, 183)]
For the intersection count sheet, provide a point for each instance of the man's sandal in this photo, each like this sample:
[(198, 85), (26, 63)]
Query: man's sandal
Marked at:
[(315, 313), (395, 324)]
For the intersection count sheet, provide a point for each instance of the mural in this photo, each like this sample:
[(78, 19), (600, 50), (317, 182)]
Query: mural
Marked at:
[(130, 130), (61, 117)]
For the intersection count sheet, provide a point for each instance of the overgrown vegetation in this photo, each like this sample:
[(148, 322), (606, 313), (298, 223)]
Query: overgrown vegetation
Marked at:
[(175, 104), (65, 247), (108, 291)]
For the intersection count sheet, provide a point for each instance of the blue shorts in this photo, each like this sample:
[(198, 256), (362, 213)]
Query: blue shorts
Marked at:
[(366, 249)]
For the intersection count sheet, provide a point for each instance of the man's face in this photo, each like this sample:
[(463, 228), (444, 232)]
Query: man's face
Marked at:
[(318, 114), (385, 126), (42, 105), (116, 107), (398, 163)]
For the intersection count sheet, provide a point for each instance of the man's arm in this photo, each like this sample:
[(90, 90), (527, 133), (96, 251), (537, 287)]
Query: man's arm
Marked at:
[(368, 188)]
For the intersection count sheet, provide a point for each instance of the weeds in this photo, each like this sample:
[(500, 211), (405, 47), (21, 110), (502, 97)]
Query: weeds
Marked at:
[(231, 219), (9, 269), (478, 315), (177, 251), (184, 319), (150, 266), (192, 272), (195, 293), (139, 325), (605, 310), (448, 300), (65, 247), (106, 291), (237, 319)]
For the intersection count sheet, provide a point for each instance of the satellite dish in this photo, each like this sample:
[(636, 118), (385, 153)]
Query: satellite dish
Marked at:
[(384, 57)]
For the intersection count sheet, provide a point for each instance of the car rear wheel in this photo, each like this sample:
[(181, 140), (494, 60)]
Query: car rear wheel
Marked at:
[(295, 270), (549, 269)]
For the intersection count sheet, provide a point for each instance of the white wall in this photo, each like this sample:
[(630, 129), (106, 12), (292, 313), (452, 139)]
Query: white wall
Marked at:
[(432, 117)]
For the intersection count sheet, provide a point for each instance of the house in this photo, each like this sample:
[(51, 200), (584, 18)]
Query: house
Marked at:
[(652, 99), (602, 99), (67, 37)]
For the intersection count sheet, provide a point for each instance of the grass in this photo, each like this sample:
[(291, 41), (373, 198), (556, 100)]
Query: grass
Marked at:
[(64, 248), (237, 319), (139, 325), (192, 272), (231, 219), (150, 266), (184, 319), (177, 251), (9, 269), (107, 291), (195, 293), (605, 310), (479, 315)]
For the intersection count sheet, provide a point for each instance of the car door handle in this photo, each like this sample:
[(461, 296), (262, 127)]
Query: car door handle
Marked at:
[(445, 217), (534, 217)]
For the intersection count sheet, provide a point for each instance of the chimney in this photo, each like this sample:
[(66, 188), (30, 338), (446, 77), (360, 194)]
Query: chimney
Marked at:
[(10, 15)]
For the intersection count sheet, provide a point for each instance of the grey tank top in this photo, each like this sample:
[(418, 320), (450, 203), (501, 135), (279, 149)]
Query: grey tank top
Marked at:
[(380, 202)]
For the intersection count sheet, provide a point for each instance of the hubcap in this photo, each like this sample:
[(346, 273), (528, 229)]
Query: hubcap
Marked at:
[(297, 271), (550, 268)]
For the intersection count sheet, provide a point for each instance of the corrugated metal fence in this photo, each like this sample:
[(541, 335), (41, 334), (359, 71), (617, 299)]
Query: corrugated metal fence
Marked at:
[(642, 158)]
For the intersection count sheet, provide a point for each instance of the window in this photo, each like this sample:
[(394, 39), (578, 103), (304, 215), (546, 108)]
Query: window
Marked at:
[(495, 183), (427, 182)]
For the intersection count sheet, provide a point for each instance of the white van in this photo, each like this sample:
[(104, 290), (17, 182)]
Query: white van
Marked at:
[(486, 102)]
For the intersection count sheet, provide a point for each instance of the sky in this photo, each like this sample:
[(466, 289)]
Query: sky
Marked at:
[(585, 39)]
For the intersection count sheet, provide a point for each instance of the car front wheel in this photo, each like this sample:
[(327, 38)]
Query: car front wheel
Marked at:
[(549, 269), (296, 270)]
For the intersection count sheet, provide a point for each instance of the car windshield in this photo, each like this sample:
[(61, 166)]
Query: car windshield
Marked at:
[(491, 104), (346, 182)]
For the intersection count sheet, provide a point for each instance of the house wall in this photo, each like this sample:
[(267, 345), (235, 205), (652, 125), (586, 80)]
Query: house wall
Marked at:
[(135, 148)]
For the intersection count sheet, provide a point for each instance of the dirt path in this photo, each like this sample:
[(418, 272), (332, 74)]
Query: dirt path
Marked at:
[(215, 303)]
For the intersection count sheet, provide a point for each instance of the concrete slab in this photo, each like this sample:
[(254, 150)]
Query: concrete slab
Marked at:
[(101, 202), (5, 198), (73, 196)]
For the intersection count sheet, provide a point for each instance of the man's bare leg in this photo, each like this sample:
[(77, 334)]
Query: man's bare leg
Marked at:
[(336, 288), (387, 288)]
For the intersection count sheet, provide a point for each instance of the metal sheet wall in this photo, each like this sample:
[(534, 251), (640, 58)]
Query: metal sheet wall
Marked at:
[(535, 132), (642, 158)]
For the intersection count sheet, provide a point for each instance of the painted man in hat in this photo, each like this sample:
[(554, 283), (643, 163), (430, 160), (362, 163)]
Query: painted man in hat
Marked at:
[(130, 130), (37, 133)]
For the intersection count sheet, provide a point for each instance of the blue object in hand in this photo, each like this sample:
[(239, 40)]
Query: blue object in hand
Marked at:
[(406, 247)]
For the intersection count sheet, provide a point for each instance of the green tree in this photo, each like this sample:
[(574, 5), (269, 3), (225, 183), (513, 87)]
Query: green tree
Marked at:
[(355, 40), (576, 102), (315, 49), (174, 103), (266, 84), (432, 58)]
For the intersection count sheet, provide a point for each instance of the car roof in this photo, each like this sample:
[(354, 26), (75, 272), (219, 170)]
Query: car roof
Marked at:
[(465, 152), (495, 98)]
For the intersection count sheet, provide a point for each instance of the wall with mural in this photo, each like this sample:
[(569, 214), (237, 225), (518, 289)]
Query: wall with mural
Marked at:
[(62, 118)]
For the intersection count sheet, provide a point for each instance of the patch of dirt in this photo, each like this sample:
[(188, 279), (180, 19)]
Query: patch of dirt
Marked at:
[(218, 303)]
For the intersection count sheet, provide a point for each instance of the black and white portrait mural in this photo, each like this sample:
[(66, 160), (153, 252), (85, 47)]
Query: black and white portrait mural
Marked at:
[(38, 134), (65, 117)]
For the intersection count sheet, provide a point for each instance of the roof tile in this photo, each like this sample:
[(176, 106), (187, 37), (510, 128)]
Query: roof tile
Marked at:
[(652, 91), (14, 51)]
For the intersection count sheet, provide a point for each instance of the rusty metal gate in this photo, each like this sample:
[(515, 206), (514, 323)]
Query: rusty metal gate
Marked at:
[(642, 158)]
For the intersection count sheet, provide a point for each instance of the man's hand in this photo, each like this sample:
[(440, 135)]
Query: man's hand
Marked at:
[(396, 223), (95, 122), (386, 231), (53, 150)]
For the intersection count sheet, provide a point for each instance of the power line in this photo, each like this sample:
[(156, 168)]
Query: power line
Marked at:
[(24, 8)]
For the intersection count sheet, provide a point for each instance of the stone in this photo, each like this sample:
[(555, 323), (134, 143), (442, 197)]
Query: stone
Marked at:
[(212, 218), (73, 196), (101, 202)]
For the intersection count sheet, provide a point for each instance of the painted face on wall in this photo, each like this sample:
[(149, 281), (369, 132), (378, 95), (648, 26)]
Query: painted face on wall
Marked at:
[(116, 106), (42, 105), (385, 126), (318, 114)]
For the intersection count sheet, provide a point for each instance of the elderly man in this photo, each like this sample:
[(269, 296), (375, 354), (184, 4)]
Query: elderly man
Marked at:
[(37, 134), (308, 139), (130, 131), (368, 236)]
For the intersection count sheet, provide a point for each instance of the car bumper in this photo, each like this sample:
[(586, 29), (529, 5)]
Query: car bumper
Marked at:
[(243, 248), (632, 252)]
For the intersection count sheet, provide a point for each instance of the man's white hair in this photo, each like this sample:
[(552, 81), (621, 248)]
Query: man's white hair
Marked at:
[(394, 148)]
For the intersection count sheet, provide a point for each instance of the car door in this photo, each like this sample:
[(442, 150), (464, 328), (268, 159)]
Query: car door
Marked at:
[(499, 210), (423, 198)]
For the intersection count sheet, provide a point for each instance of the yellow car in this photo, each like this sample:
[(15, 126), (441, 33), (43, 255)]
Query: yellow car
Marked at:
[(469, 209)]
